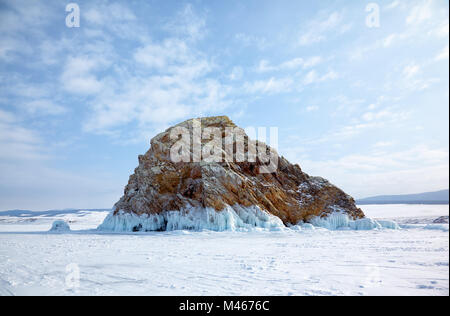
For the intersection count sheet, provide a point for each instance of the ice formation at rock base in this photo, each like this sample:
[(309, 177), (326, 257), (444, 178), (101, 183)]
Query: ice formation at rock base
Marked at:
[(236, 218), (341, 221)]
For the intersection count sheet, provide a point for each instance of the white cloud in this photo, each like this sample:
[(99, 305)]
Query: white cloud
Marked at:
[(6, 117), (159, 56), (107, 14), (287, 84), (426, 22), (366, 122), (385, 116), (298, 63), (379, 172), (78, 76), (389, 40), (312, 108), (442, 55), (11, 48), (292, 64), (20, 87), (236, 73), (19, 16), (411, 70), (27, 183), (180, 88), (347, 105), (394, 4), (251, 40), (18, 143), (270, 86), (313, 77), (330, 75), (441, 30), (187, 24), (312, 61), (383, 144), (264, 66), (53, 52), (317, 30), (420, 13), (33, 185), (43, 106), (20, 21), (164, 81), (301, 63)]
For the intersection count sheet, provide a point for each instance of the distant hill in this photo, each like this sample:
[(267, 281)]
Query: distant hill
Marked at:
[(437, 197), (51, 213)]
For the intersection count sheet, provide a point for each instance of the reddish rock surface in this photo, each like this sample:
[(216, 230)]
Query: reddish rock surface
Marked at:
[(159, 184)]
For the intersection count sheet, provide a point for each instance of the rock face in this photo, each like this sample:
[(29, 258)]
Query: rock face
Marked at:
[(160, 185)]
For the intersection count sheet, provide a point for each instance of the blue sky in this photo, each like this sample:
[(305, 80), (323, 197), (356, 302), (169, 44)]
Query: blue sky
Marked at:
[(365, 107)]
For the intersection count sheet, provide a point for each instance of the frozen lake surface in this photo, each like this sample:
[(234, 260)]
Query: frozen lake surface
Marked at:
[(400, 212), (410, 261)]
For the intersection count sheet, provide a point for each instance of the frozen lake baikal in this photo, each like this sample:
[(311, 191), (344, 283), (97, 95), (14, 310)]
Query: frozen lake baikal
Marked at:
[(410, 261)]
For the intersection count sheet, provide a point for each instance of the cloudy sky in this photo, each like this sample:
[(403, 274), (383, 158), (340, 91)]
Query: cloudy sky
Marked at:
[(364, 106)]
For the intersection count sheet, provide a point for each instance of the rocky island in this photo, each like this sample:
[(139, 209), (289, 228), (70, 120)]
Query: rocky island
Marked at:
[(227, 194)]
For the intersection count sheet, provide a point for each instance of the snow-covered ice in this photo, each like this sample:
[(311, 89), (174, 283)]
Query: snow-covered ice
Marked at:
[(304, 261), (402, 213), (16, 221)]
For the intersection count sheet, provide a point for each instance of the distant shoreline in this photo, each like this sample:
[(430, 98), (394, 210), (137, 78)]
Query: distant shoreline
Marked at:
[(428, 198)]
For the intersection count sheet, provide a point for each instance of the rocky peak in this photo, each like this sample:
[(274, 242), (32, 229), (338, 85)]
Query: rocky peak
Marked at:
[(161, 185)]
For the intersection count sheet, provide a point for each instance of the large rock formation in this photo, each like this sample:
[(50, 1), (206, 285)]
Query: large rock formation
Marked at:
[(163, 194)]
